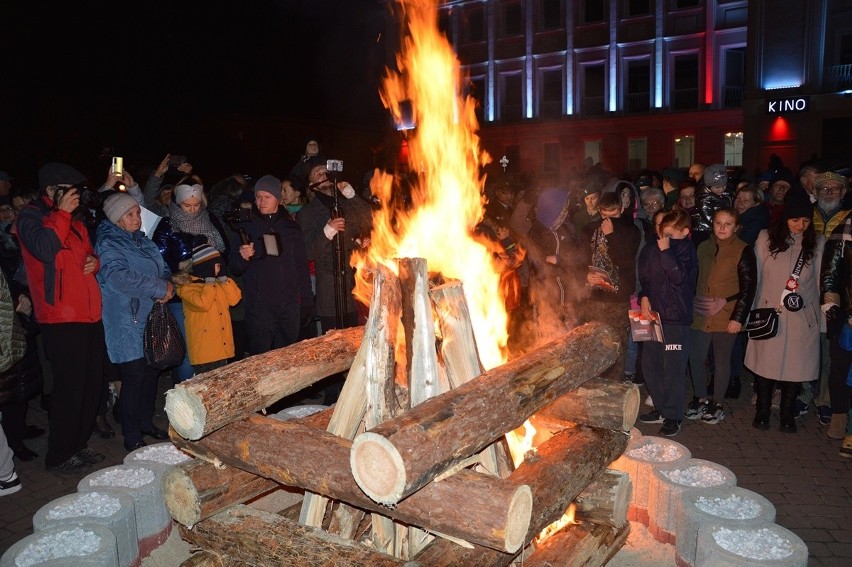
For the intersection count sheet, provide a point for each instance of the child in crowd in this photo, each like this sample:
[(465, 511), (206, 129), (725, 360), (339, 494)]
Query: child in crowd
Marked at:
[(668, 270), (207, 294)]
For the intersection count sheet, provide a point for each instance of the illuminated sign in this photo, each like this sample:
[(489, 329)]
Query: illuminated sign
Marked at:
[(785, 105)]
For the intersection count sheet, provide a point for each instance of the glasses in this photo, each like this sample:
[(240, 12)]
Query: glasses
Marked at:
[(6, 209), (829, 190)]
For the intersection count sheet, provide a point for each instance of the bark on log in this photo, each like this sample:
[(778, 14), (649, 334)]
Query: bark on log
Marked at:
[(207, 558), (597, 403), (579, 544), (561, 467), (606, 500), (213, 399), (400, 456), (468, 505), (265, 539)]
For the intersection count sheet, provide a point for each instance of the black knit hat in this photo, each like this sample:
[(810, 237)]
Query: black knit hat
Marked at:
[(797, 204)]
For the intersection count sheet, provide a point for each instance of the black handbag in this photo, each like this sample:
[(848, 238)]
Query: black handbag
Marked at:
[(762, 323), (162, 339)]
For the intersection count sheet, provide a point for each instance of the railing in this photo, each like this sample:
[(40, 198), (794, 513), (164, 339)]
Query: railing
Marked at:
[(684, 99), (732, 97), (637, 102), (839, 77)]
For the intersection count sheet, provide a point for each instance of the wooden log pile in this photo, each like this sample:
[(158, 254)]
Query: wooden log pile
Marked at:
[(411, 465)]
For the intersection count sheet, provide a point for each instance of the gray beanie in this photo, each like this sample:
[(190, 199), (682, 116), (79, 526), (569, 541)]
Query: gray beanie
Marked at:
[(270, 184), (117, 204)]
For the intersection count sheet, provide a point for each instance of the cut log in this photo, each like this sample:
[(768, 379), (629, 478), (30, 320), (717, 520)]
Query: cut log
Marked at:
[(471, 506), (213, 399), (559, 469), (597, 403), (419, 331), (606, 500), (400, 456), (206, 558), (579, 544), (196, 489), (264, 539)]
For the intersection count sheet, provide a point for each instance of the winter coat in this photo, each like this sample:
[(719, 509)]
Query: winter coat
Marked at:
[(312, 218), (272, 280), (133, 274), (752, 221), (793, 354), (726, 269), (206, 311), (836, 269), (55, 245), (668, 278), (561, 283), (825, 224), (616, 254), (708, 203)]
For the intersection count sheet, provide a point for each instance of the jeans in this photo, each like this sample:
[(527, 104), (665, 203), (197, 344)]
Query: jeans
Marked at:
[(184, 370)]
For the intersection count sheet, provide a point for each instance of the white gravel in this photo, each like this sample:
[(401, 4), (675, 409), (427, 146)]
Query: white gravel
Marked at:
[(656, 452), (165, 453), (130, 478), (761, 544), (733, 507), (695, 475), (75, 542), (86, 504)]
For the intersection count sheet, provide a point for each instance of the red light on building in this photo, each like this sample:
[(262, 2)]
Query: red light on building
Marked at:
[(780, 130)]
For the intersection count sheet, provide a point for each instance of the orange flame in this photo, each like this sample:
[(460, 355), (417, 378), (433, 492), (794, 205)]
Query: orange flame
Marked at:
[(447, 184), (567, 518)]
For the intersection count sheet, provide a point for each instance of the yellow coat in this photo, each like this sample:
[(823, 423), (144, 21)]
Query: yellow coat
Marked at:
[(209, 336)]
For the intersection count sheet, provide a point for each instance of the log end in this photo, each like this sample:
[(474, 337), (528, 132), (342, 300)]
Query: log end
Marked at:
[(518, 518), (378, 468), (181, 497), (186, 413), (632, 399)]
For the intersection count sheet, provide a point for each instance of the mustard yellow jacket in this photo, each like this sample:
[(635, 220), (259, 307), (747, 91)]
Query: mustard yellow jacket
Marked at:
[(209, 336)]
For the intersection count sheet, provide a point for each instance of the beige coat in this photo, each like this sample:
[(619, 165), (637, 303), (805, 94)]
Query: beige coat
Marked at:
[(793, 354)]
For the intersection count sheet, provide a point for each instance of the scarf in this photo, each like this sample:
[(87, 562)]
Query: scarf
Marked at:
[(198, 223)]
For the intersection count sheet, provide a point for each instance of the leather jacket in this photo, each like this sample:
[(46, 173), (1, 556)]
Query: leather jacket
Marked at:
[(836, 271)]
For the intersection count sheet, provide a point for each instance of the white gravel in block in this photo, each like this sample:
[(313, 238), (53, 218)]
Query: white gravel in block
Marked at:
[(86, 504), (733, 507), (655, 452), (165, 453), (130, 478), (695, 475), (762, 544), (75, 542)]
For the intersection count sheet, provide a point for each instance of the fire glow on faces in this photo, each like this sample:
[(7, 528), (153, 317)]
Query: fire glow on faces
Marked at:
[(724, 225)]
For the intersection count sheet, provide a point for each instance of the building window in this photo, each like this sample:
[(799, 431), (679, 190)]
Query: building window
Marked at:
[(685, 84), (846, 49), (684, 154), (638, 7), (592, 11), (551, 93), (551, 158), (637, 153), (512, 97), (476, 25), (638, 86), (734, 82), (513, 20), (592, 150), (733, 148), (551, 15), (593, 84), (476, 88)]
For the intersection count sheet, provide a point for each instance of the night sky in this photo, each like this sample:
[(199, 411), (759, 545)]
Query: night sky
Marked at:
[(80, 76)]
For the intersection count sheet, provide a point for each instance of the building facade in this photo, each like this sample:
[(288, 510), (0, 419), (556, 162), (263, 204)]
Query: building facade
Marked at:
[(631, 84)]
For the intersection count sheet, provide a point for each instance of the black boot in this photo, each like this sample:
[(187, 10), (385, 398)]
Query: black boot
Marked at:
[(735, 386), (789, 392), (763, 406)]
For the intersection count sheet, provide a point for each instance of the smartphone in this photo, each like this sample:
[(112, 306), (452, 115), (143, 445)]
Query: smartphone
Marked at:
[(175, 161), (118, 166)]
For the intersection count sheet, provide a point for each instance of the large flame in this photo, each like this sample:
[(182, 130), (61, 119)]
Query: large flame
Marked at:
[(445, 160)]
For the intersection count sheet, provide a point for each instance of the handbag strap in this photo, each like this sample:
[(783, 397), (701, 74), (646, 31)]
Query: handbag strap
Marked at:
[(794, 275)]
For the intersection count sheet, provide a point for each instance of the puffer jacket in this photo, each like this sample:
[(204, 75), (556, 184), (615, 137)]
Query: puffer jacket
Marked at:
[(836, 272), (726, 269), (55, 245), (708, 203), (668, 278), (206, 303), (133, 274)]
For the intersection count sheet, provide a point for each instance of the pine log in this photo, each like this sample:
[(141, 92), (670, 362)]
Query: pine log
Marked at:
[(400, 456), (207, 558), (606, 500), (579, 544), (264, 539), (213, 399), (373, 363), (471, 506), (419, 329), (598, 403)]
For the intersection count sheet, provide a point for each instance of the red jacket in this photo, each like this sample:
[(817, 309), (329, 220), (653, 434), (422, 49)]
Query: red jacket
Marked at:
[(54, 246)]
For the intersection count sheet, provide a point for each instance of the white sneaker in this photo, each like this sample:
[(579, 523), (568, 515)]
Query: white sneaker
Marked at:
[(649, 402), (10, 485)]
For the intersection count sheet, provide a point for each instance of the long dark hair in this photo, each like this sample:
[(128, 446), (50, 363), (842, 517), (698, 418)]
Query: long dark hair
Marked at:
[(779, 239)]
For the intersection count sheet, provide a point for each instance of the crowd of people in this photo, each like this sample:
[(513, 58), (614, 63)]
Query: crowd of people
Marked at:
[(248, 266)]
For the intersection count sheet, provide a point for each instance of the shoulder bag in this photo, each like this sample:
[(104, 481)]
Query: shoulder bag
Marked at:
[(162, 339), (763, 322)]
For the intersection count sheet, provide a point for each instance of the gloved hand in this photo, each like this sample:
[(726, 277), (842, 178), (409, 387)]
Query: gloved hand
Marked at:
[(307, 315)]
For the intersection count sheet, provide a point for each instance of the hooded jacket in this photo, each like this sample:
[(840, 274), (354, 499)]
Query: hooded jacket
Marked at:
[(668, 279)]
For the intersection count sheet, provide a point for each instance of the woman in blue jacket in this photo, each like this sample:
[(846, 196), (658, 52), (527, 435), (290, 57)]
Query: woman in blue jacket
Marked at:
[(668, 272), (132, 277)]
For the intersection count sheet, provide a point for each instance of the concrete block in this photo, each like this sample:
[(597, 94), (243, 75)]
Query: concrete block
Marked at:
[(758, 546), (81, 545)]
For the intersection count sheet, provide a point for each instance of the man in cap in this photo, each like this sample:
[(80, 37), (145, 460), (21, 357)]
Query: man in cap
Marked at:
[(61, 265)]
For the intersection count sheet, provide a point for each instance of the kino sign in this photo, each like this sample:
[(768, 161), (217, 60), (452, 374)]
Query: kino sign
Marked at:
[(784, 105)]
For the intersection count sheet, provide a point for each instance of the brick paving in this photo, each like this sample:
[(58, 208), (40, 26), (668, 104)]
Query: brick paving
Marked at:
[(802, 474)]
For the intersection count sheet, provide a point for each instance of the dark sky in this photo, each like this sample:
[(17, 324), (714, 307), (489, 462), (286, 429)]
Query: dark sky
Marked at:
[(120, 73)]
